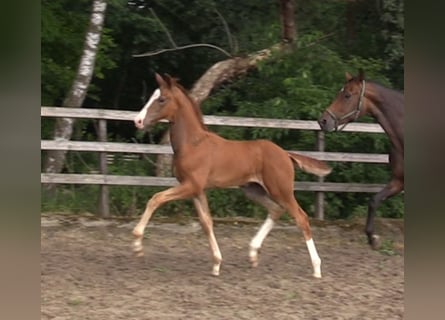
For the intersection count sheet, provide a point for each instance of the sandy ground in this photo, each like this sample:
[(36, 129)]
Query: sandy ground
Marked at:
[(89, 272)]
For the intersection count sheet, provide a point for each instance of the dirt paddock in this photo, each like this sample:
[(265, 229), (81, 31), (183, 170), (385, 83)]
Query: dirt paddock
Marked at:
[(89, 272)]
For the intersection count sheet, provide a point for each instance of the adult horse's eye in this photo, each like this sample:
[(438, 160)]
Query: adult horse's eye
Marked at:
[(161, 100), (347, 95)]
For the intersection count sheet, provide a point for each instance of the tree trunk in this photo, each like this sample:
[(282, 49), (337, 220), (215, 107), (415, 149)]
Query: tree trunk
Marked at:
[(287, 18), (64, 126)]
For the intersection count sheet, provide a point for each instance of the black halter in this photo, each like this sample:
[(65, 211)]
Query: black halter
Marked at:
[(355, 112)]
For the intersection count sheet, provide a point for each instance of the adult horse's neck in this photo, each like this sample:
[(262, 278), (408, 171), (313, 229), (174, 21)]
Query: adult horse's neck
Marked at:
[(387, 107), (187, 127)]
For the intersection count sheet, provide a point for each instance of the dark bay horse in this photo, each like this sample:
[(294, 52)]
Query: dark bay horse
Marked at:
[(359, 97), (203, 160)]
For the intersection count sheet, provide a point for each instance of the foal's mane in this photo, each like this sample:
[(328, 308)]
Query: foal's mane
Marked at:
[(196, 107)]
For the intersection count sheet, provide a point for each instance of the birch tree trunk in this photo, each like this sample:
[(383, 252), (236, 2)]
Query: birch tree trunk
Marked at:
[(63, 130), (229, 69)]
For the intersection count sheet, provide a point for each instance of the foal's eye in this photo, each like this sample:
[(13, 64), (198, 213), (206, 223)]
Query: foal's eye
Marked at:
[(347, 95), (161, 100)]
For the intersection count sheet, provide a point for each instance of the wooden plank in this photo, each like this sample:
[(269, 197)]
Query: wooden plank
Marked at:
[(347, 156), (168, 182), (74, 178), (105, 147), (338, 187), (166, 149), (86, 113), (209, 120)]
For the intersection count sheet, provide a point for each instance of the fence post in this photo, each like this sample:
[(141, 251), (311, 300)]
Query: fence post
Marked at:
[(104, 208), (319, 196)]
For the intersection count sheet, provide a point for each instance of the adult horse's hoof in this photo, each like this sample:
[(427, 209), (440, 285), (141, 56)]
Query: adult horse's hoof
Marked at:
[(374, 242)]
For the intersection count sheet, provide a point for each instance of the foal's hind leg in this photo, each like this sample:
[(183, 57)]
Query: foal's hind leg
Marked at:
[(207, 224), (256, 193), (302, 221), (392, 188)]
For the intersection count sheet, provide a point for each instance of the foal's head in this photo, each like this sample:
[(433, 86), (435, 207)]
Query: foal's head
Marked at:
[(162, 105), (348, 105), (165, 103)]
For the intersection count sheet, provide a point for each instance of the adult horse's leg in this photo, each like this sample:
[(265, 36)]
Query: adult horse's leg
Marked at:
[(205, 218), (256, 193), (392, 188), (302, 221), (181, 191)]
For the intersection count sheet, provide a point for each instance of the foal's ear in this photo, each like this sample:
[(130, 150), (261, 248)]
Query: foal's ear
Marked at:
[(361, 74), (169, 79), (160, 81), (348, 76)]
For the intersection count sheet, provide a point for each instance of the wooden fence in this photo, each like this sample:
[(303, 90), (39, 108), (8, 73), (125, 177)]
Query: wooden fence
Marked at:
[(103, 147)]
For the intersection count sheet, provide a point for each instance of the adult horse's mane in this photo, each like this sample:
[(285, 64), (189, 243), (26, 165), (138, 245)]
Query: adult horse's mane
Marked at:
[(382, 86), (195, 105)]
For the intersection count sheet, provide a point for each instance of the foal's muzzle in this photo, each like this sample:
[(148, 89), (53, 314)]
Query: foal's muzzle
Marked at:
[(143, 123), (139, 123)]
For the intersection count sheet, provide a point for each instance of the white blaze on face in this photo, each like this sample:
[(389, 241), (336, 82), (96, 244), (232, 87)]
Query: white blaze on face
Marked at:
[(139, 119)]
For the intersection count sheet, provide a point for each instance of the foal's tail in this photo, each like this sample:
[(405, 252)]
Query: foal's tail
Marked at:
[(310, 165)]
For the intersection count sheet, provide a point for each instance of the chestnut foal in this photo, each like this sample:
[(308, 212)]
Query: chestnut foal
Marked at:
[(204, 160)]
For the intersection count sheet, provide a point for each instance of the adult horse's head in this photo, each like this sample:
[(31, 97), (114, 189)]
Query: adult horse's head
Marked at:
[(160, 106), (348, 105)]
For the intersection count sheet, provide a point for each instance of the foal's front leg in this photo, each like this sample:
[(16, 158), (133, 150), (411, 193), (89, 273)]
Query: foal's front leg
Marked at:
[(207, 224), (181, 191)]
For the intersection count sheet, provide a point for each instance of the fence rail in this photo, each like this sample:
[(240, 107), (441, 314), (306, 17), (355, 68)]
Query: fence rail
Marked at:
[(208, 120), (121, 180), (166, 149), (104, 147)]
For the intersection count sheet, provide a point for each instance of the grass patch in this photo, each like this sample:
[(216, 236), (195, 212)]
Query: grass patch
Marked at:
[(387, 248)]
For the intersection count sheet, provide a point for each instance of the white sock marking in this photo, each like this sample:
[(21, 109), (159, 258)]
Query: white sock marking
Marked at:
[(316, 261), (257, 241)]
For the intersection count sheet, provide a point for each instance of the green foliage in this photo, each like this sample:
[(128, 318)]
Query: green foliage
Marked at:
[(393, 34), (387, 248), (71, 199), (64, 24), (61, 36)]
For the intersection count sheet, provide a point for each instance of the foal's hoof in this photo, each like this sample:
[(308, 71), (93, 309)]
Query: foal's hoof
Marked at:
[(374, 242), (215, 270), (139, 254), (253, 257), (316, 275), (137, 248)]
